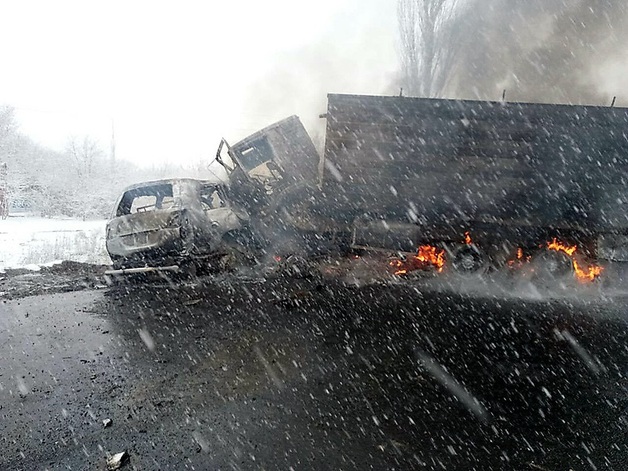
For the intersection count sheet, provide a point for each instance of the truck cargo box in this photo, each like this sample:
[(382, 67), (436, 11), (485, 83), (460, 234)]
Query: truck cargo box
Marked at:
[(463, 163)]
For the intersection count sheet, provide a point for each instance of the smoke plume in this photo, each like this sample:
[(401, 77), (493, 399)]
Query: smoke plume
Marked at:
[(355, 55), (556, 51)]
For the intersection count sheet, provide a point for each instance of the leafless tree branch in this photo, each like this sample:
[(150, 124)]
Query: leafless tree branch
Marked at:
[(430, 38)]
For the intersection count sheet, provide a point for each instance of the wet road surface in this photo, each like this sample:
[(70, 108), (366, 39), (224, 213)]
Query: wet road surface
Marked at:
[(303, 374)]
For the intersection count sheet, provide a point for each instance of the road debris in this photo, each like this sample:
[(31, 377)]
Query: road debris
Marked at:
[(192, 302), (117, 461), (107, 423)]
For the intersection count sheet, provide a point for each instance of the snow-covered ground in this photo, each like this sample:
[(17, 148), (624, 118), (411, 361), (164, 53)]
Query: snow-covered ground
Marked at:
[(29, 242)]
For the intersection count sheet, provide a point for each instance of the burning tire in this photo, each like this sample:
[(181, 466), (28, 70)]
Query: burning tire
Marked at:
[(552, 265), (468, 260)]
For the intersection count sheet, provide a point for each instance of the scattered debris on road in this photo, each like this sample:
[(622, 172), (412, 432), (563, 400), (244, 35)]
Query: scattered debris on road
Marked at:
[(117, 461), (59, 278)]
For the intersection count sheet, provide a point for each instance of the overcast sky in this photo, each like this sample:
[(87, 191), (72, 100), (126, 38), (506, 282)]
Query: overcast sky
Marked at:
[(174, 77)]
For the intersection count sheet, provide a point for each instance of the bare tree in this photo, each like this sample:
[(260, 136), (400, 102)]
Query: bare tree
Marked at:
[(8, 128), (84, 153), (429, 39), (7, 121)]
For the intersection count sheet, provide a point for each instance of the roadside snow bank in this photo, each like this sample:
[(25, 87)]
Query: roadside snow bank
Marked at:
[(28, 242)]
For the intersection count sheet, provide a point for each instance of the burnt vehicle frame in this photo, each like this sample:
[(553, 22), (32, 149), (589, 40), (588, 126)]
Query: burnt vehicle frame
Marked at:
[(174, 225), (398, 173)]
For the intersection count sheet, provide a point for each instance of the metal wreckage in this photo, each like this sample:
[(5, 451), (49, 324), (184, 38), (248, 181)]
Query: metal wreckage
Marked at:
[(444, 185)]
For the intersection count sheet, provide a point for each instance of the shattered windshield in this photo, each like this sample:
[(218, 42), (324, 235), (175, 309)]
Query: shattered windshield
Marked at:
[(258, 153), (146, 199), (409, 252)]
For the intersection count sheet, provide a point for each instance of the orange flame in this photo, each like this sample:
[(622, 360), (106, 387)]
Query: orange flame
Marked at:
[(426, 256), (467, 238), (398, 265), (583, 274), (588, 274), (431, 255), (520, 259), (560, 247)]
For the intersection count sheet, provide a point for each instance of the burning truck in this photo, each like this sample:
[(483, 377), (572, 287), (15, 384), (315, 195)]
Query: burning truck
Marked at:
[(466, 186)]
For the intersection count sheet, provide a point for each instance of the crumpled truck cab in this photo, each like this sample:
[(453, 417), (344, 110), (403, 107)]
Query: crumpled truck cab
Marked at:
[(167, 224)]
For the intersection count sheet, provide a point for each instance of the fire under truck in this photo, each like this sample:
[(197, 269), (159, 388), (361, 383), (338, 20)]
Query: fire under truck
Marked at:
[(473, 185)]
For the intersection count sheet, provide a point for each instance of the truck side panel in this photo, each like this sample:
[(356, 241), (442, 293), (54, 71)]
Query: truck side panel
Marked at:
[(466, 162)]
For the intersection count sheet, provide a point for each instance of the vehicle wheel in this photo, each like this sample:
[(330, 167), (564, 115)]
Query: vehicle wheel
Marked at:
[(468, 260), (552, 265)]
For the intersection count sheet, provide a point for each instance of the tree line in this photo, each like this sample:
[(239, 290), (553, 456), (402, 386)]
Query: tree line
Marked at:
[(82, 180)]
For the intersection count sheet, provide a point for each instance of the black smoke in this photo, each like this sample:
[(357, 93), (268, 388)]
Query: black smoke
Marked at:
[(556, 51)]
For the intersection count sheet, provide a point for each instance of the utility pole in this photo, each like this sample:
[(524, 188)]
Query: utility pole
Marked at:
[(4, 197), (112, 156)]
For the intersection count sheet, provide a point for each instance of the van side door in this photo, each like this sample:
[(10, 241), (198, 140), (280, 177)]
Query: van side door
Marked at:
[(219, 216)]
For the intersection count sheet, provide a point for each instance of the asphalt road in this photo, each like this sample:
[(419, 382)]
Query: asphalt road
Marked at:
[(308, 374)]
